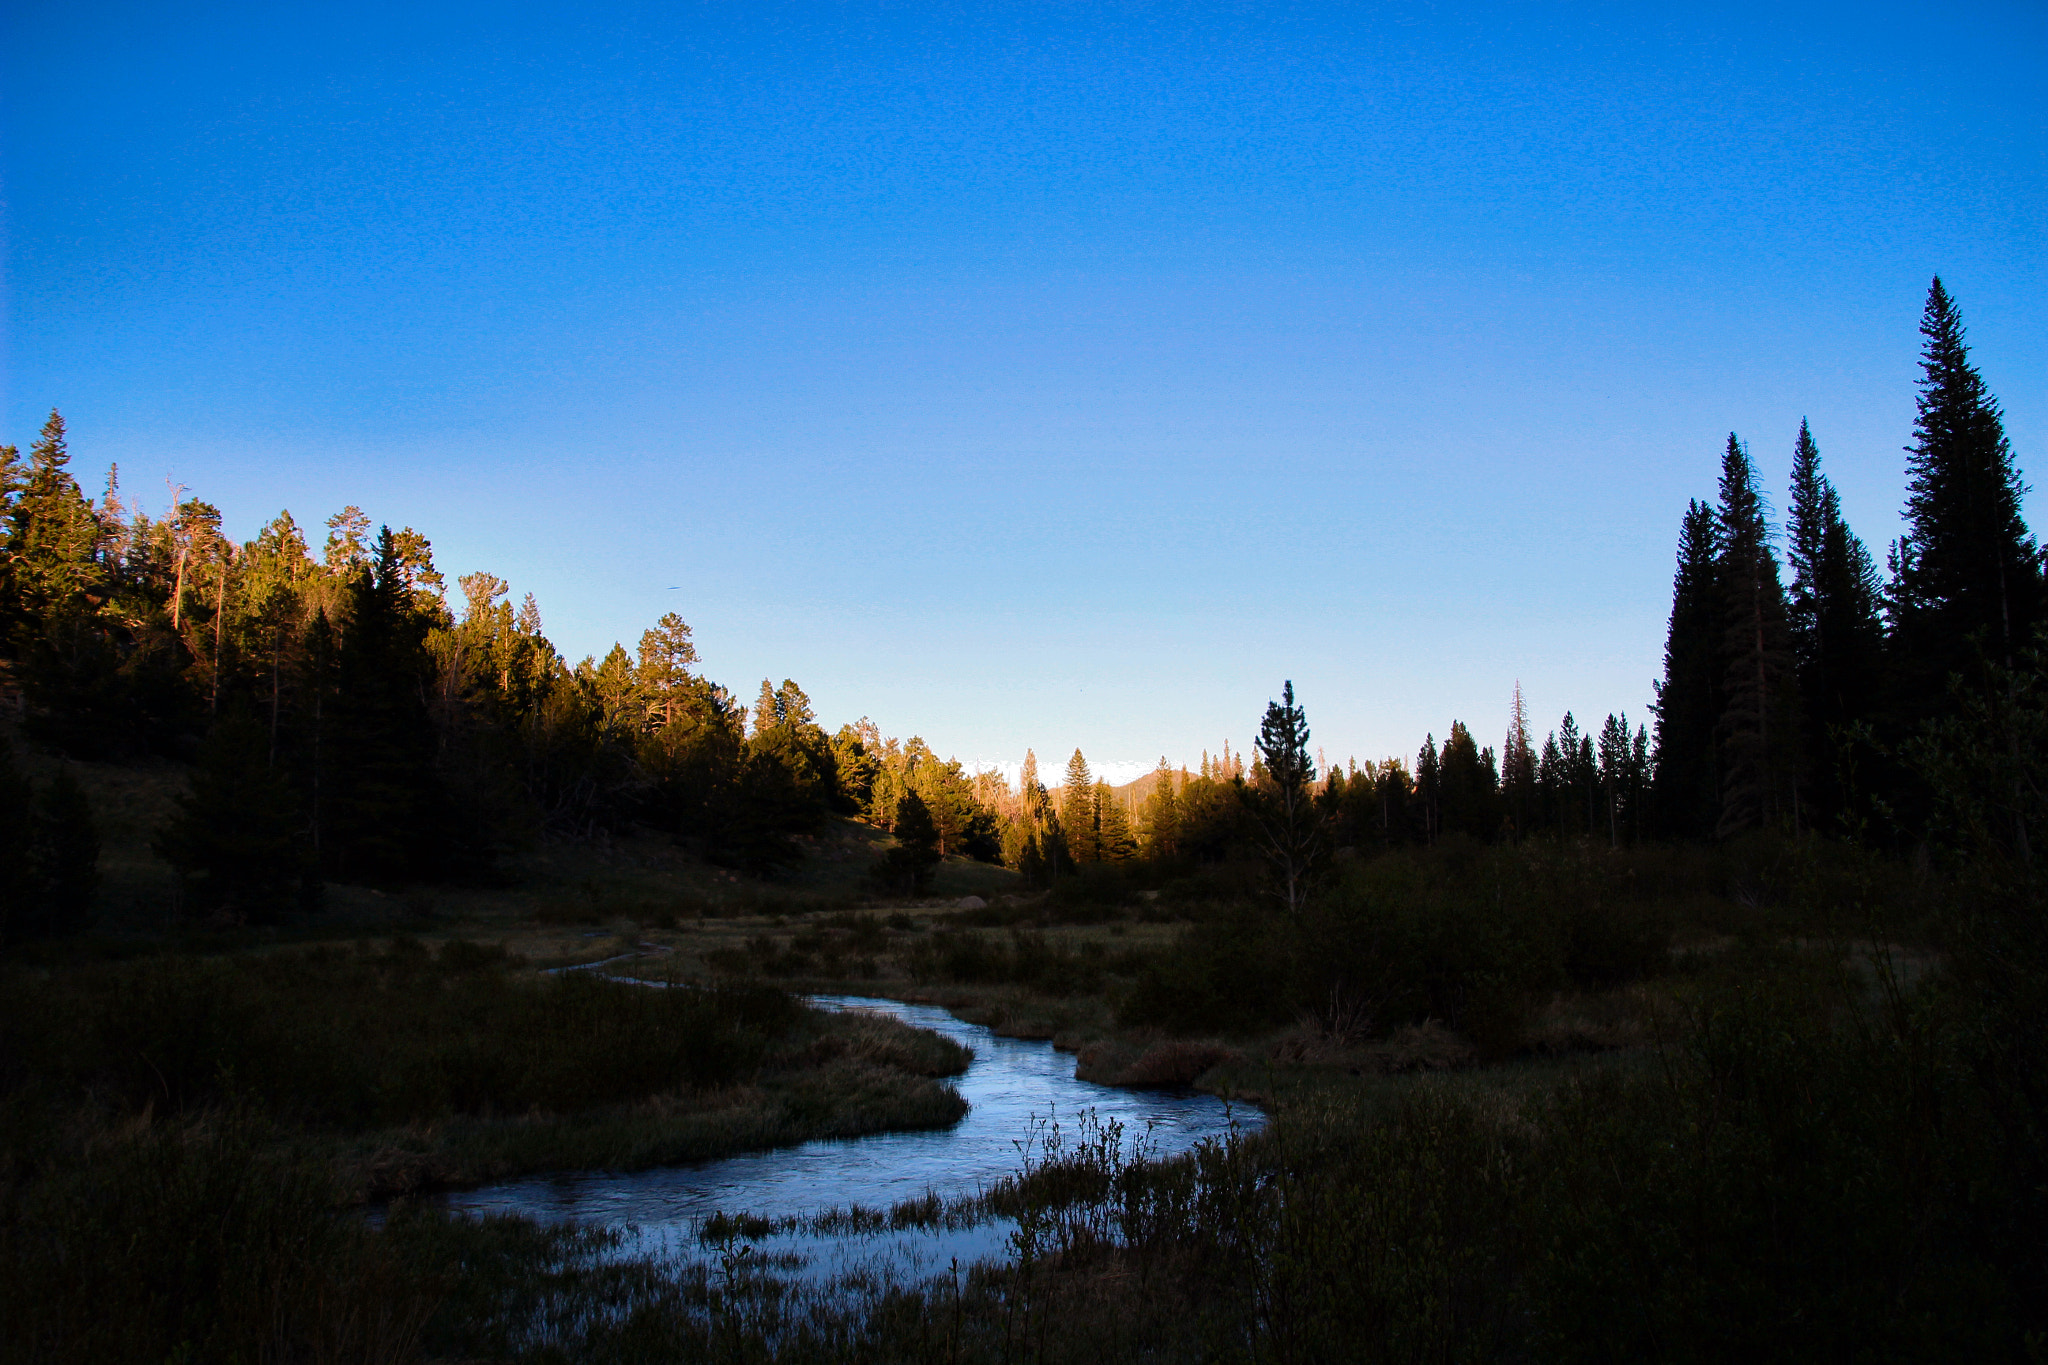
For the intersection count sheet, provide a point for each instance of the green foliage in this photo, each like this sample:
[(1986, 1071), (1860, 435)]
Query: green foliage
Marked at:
[(908, 866), (1077, 811)]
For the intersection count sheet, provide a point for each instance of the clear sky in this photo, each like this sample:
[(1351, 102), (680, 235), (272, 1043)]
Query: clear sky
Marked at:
[(1047, 374)]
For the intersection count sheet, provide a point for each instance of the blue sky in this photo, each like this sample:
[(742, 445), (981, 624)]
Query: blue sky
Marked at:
[(1040, 375)]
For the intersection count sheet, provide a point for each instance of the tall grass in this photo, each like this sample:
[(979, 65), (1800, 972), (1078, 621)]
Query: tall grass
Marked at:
[(357, 1039), (196, 1241)]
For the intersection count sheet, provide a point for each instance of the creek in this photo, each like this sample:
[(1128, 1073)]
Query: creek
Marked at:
[(1018, 1091)]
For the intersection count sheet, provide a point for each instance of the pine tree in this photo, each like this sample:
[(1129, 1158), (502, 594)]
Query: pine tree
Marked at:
[(346, 549), (1837, 632), (1288, 819), (1624, 773), (1032, 796), (612, 682), (1551, 781), (53, 536), (765, 718), (1162, 817), (1573, 779), (1077, 811), (1468, 786), (663, 679), (386, 814), (1759, 714), (792, 707), (1969, 572), (529, 615), (1429, 789), (1113, 838), (1687, 789), (908, 866)]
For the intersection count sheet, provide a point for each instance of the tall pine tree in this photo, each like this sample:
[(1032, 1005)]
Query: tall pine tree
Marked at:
[(1837, 632), (1968, 572), (1759, 713), (1077, 811), (1687, 789), (383, 812), (1285, 805)]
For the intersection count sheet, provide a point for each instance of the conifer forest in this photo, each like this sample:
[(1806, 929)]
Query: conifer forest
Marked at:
[(1718, 1032)]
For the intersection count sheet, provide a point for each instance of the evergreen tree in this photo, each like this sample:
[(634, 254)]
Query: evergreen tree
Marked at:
[(1759, 713), (1287, 816), (347, 550), (663, 678), (765, 718), (1572, 778), (908, 866), (855, 767), (1429, 789), (612, 683), (12, 477), (1467, 785), (1549, 773), (792, 707), (1968, 570), (1162, 817), (53, 538), (385, 815), (1837, 632), (1689, 699), (1624, 767), (1077, 811), (1115, 843)]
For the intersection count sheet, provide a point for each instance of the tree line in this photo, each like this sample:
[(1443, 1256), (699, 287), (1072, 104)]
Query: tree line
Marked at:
[(1784, 705), (345, 723)]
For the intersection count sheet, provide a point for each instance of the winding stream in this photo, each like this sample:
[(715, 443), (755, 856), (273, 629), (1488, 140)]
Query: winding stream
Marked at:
[(1014, 1087)]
